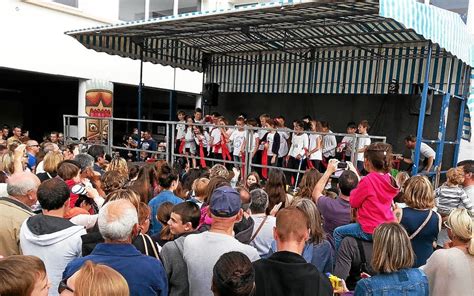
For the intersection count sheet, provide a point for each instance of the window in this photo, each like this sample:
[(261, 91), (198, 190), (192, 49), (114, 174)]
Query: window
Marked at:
[(458, 6), (131, 10), (159, 8), (185, 6), (72, 3)]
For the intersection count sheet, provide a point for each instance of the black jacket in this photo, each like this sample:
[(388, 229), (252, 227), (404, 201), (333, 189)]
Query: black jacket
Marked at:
[(287, 274)]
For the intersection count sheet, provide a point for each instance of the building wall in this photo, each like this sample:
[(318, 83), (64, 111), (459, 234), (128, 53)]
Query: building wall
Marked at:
[(33, 39)]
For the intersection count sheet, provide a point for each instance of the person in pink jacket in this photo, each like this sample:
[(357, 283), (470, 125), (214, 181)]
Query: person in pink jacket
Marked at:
[(373, 197)]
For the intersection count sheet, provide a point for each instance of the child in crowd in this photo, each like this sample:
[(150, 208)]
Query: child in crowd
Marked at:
[(314, 154), (180, 129), (199, 188), (238, 140), (184, 218), (252, 178), (299, 146), (346, 145), (373, 196), (201, 137), (190, 145), (215, 143), (255, 139), (451, 195), (363, 143), (271, 144)]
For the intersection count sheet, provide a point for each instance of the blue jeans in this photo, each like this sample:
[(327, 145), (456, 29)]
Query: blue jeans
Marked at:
[(353, 230)]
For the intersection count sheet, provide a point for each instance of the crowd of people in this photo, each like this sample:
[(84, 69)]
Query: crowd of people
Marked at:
[(78, 222)]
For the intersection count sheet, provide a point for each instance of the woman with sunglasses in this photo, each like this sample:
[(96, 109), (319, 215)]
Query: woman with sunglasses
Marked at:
[(451, 271), (94, 280)]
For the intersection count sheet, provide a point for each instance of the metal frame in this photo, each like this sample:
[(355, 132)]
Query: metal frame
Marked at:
[(169, 154)]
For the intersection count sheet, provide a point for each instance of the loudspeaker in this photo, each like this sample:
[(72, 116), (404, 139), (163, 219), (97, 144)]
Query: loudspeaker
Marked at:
[(415, 102), (210, 94)]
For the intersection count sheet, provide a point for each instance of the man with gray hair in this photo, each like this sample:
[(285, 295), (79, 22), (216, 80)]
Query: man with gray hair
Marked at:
[(262, 235), (85, 160), (15, 209), (118, 224)]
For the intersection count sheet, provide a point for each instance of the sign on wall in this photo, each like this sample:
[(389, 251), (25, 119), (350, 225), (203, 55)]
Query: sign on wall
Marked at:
[(99, 103)]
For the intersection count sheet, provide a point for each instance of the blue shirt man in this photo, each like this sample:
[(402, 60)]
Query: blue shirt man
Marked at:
[(118, 223)]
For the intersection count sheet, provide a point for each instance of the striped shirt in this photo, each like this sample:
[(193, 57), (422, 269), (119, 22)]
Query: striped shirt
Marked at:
[(449, 198)]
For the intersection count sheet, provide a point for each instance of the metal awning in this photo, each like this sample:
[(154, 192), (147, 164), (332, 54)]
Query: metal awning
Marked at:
[(325, 42), (186, 40)]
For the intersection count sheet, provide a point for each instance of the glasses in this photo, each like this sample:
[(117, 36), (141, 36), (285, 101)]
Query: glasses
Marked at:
[(33, 145), (63, 286), (446, 224)]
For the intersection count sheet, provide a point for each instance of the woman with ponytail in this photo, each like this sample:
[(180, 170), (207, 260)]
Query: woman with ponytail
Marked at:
[(450, 271)]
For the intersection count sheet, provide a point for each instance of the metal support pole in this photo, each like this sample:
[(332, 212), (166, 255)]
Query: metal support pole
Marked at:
[(109, 137), (168, 144), (171, 146), (465, 94), (65, 131), (247, 152), (355, 146), (442, 133), (140, 93), (459, 133), (421, 117)]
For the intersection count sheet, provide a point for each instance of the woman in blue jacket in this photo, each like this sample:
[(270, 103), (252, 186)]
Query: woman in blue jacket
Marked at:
[(393, 258)]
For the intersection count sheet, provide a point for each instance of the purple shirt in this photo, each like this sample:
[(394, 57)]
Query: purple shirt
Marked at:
[(335, 212)]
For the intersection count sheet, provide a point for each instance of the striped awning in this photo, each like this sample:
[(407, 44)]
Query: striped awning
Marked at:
[(307, 46), (186, 40)]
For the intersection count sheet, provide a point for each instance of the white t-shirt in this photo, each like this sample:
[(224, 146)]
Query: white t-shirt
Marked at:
[(180, 130), (425, 152), (313, 141), (270, 137), (347, 142), (362, 143), (261, 134), (470, 192), (329, 145), (216, 135), (283, 151), (201, 252), (263, 240), (252, 143), (204, 138), (189, 137), (298, 145), (238, 138)]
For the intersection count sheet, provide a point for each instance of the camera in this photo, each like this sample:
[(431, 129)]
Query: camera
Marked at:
[(342, 165)]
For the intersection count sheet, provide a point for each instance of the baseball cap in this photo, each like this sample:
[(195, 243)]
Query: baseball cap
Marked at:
[(225, 202)]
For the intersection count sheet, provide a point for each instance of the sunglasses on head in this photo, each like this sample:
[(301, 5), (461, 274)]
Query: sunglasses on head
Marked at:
[(63, 286), (446, 224)]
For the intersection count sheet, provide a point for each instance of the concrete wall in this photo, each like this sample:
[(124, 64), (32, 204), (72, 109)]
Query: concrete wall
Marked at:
[(33, 39)]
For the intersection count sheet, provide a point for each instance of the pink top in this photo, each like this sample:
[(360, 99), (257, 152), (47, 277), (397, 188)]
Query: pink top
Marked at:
[(373, 198)]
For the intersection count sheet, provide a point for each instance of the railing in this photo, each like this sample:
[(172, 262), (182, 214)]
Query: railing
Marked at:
[(167, 146)]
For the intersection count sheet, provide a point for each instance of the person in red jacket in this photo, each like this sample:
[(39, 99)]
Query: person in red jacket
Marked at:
[(373, 197), (70, 172)]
